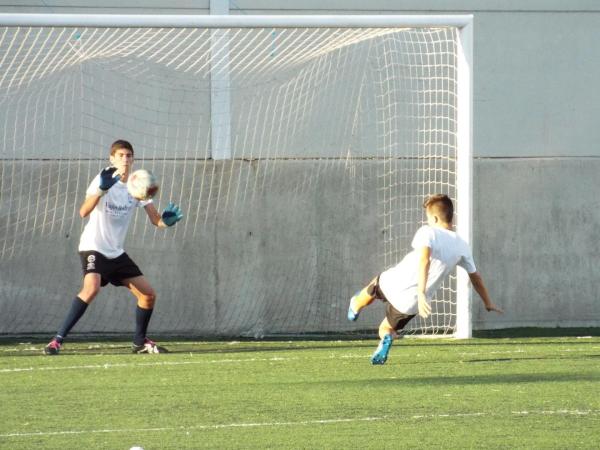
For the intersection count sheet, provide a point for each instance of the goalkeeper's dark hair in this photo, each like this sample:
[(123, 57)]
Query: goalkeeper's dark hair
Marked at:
[(441, 206), (120, 144)]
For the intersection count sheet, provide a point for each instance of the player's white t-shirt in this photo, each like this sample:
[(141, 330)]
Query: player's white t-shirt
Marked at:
[(399, 283), (106, 230)]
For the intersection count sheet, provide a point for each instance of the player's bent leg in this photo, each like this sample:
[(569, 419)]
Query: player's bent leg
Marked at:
[(361, 299), (91, 287), (386, 328), (146, 297), (142, 290)]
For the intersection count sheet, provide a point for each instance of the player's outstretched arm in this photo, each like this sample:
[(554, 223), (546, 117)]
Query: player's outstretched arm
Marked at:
[(480, 288), (170, 216), (423, 274), (107, 180)]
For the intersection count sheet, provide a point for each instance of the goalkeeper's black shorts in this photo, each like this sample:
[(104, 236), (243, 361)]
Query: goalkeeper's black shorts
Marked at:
[(112, 271)]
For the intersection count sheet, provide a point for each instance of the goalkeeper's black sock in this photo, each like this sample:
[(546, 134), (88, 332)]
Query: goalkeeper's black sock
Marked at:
[(142, 319), (78, 307)]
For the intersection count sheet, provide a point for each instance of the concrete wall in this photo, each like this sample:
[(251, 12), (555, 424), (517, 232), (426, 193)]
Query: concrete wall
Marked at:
[(536, 143), (537, 240), (285, 259)]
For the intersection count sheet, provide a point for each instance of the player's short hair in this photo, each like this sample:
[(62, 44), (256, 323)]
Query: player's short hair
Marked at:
[(120, 144), (440, 205)]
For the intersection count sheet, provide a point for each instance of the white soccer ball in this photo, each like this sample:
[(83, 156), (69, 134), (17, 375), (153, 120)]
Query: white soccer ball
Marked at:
[(142, 185)]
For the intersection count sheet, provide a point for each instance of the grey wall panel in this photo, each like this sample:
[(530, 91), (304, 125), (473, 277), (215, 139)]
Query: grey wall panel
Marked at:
[(285, 259), (535, 84), (536, 228)]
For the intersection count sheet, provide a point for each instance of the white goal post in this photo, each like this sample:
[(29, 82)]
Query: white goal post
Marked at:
[(296, 144)]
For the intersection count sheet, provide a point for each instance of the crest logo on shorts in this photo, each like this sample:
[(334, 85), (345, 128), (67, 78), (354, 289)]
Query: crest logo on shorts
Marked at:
[(91, 265)]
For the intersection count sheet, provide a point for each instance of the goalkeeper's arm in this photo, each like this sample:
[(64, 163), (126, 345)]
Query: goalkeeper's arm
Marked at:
[(170, 216), (88, 205), (107, 180)]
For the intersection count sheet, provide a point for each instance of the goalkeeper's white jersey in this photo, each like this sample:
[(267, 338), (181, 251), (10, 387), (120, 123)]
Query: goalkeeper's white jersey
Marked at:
[(106, 230), (399, 283)]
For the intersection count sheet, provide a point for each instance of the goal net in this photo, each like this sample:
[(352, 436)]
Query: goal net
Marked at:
[(300, 155)]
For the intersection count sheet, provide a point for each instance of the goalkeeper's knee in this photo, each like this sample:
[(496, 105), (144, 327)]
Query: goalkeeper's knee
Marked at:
[(146, 301)]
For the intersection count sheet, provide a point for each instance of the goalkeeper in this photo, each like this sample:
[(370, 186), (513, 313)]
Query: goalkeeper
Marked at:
[(110, 207), (407, 288)]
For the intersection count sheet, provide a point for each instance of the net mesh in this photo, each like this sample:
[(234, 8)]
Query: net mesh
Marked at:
[(333, 138)]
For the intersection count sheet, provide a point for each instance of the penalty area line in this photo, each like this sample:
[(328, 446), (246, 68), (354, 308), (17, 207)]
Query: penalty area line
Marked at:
[(167, 363), (142, 364), (297, 423), (192, 428)]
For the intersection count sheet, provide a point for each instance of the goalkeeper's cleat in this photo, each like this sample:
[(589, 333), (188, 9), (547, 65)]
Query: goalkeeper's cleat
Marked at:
[(148, 346), (52, 348), (381, 353), (352, 316)]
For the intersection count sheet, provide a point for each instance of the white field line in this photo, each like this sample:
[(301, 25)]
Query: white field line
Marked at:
[(458, 351), (509, 352), (141, 364), (562, 412), (240, 360), (175, 363)]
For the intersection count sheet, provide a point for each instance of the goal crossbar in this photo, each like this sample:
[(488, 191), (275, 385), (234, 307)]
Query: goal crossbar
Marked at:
[(230, 21)]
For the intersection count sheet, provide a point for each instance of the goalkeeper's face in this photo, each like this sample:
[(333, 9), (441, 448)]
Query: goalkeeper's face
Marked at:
[(122, 159)]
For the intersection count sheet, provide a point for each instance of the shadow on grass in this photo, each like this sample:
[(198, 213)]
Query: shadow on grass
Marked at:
[(533, 332), (512, 378), (405, 362), (535, 358)]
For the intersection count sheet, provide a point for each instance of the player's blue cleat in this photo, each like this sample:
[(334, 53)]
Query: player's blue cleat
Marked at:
[(352, 316), (381, 353)]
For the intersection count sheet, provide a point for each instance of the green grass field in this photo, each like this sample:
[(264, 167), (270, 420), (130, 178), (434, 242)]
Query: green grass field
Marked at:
[(481, 393)]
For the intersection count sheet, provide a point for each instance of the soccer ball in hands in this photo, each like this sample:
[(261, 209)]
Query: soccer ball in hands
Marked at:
[(142, 185)]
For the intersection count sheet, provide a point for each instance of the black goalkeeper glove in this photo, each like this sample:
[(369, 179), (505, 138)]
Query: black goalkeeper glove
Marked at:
[(107, 180)]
